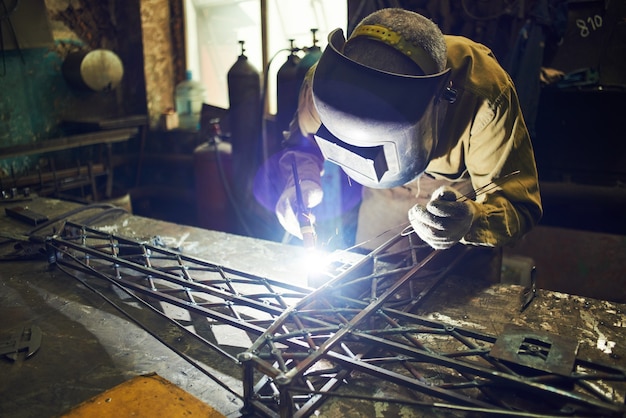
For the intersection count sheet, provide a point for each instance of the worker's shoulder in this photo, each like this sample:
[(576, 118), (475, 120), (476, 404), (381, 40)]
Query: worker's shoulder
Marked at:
[(475, 68)]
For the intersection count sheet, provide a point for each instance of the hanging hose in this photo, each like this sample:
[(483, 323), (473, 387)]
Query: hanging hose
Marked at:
[(214, 142), (264, 135)]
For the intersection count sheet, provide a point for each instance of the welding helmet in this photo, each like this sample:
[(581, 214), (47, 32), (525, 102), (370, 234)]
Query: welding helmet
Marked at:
[(380, 127)]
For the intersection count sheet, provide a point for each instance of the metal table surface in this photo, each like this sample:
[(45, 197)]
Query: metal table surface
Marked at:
[(87, 347)]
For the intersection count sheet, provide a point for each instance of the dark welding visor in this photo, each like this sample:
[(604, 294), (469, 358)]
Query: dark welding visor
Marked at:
[(380, 127)]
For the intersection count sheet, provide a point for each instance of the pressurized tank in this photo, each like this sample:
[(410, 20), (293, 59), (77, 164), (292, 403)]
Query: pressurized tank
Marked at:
[(312, 55), (245, 112), (287, 90)]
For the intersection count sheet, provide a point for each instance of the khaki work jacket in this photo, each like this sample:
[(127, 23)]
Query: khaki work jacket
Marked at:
[(482, 138)]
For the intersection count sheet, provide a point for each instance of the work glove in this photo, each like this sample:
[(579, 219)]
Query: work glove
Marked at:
[(286, 208), (444, 220)]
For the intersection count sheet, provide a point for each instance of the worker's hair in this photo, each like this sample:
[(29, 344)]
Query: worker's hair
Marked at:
[(413, 27)]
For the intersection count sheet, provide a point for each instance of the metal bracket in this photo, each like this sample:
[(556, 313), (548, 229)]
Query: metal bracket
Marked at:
[(25, 339), (536, 349)]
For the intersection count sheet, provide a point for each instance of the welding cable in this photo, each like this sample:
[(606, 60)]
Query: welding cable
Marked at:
[(65, 216), (264, 94), (137, 322), (106, 213), (29, 246), (264, 134), (264, 98), (229, 192)]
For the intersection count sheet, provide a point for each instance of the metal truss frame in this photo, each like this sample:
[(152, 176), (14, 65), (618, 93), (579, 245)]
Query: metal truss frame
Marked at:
[(311, 345)]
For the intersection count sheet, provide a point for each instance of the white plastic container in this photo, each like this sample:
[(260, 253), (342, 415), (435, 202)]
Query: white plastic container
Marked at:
[(190, 95)]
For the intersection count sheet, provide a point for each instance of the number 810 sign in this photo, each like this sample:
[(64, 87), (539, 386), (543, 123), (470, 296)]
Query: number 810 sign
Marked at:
[(591, 24)]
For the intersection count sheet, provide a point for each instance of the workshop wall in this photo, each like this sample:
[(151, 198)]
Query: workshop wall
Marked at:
[(162, 30), (36, 98)]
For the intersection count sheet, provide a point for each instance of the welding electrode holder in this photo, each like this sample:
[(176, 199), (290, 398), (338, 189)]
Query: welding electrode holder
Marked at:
[(303, 214)]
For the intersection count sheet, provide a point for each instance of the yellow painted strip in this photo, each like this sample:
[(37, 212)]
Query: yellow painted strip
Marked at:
[(149, 396)]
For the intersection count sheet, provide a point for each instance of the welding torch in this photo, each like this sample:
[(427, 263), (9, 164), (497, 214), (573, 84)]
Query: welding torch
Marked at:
[(303, 214)]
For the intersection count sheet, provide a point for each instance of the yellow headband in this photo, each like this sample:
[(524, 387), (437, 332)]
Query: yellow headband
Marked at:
[(394, 39)]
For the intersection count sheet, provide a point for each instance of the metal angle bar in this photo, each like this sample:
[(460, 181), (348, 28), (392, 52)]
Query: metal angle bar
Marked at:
[(363, 366), (618, 373)]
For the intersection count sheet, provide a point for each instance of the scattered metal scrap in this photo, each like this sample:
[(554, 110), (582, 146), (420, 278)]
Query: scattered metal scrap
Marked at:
[(314, 345), (25, 340)]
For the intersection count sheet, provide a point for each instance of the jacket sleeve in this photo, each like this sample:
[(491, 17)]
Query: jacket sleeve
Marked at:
[(500, 144)]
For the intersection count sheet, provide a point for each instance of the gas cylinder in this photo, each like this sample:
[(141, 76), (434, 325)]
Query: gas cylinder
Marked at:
[(312, 55), (244, 93), (287, 90)]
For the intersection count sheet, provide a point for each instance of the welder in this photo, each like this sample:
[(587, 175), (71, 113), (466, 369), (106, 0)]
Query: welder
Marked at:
[(420, 119)]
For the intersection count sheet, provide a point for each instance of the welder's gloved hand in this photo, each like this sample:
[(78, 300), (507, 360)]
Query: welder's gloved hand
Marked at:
[(310, 184), (444, 220), (287, 205)]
